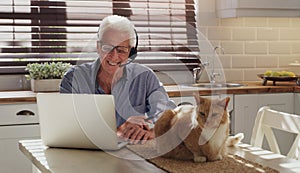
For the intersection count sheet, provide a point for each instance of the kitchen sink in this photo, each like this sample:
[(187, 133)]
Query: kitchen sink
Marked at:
[(216, 85)]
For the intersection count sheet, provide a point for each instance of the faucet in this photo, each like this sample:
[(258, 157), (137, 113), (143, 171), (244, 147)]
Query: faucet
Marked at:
[(213, 73), (198, 71)]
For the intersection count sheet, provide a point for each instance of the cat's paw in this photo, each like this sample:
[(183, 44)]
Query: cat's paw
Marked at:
[(234, 140), (200, 159), (218, 157)]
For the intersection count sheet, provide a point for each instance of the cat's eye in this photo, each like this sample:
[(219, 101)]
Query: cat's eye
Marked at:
[(202, 113)]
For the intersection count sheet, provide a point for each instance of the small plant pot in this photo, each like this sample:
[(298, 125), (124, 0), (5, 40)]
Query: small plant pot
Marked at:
[(45, 85)]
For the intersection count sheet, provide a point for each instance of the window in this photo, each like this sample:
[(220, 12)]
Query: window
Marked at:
[(65, 30)]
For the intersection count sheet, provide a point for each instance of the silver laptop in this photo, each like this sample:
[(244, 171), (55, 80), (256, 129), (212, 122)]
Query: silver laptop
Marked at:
[(78, 121)]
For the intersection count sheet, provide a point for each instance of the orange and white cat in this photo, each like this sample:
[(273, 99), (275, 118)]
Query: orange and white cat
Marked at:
[(199, 133)]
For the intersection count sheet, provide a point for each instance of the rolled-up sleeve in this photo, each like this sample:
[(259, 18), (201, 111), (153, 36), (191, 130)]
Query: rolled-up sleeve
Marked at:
[(157, 99), (159, 102)]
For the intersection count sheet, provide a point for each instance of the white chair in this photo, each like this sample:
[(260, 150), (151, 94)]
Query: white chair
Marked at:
[(266, 120)]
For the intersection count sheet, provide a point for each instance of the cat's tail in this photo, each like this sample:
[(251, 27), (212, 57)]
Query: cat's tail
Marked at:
[(234, 140)]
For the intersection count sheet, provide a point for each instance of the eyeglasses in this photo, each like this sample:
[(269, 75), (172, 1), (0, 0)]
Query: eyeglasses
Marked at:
[(109, 48)]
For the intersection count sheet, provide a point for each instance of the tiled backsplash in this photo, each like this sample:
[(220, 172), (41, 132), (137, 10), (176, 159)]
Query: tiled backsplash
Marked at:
[(251, 45)]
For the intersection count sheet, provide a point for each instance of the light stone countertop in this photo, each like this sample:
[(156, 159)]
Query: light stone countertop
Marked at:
[(55, 160), (58, 160)]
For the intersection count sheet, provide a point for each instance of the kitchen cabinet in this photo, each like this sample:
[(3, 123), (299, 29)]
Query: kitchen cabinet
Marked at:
[(297, 103), (245, 110), (257, 8), (17, 122)]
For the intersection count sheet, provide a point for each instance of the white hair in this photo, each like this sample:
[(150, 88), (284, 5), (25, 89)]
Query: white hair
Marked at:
[(118, 23)]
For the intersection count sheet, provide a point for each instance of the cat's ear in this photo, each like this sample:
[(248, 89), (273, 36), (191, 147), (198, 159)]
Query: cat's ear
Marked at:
[(198, 98), (224, 102)]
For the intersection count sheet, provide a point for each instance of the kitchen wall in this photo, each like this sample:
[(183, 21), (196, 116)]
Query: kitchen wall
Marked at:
[(251, 45)]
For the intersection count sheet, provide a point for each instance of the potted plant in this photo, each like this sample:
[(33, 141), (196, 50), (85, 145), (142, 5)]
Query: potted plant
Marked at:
[(46, 76)]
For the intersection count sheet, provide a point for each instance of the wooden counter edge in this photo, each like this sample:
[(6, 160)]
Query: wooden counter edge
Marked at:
[(172, 90)]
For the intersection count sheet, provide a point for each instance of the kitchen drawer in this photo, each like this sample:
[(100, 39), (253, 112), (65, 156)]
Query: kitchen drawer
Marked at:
[(21, 113)]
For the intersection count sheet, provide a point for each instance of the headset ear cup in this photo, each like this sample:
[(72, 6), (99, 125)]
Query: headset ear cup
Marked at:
[(133, 53)]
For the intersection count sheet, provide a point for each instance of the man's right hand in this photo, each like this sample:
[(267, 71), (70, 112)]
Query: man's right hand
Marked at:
[(136, 130)]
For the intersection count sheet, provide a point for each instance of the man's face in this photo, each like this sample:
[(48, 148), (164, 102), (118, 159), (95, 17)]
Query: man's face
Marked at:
[(114, 49)]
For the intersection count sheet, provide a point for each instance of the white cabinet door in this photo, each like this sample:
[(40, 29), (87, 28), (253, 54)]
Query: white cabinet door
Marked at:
[(245, 110), (281, 102), (297, 103), (12, 160)]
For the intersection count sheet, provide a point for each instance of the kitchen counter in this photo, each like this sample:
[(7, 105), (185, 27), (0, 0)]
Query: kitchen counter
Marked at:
[(9, 97), (178, 90), (53, 160), (249, 88), (59, 160)]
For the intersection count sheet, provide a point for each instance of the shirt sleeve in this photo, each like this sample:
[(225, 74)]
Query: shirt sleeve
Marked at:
[(66, 83), (157, 99)]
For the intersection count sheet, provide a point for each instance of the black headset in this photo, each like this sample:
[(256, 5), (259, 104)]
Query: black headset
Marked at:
[(133, 51)]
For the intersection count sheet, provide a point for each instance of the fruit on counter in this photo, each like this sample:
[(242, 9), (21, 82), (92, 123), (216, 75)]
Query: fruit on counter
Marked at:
[(270, 73)]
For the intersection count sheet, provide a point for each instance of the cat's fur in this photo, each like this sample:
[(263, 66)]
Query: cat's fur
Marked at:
[(201, 131)]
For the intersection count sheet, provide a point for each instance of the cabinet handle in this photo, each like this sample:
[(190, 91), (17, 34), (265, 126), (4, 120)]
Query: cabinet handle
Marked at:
[(25, 113)]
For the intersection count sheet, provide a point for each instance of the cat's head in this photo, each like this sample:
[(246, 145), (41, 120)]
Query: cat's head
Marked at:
[(211, 112)]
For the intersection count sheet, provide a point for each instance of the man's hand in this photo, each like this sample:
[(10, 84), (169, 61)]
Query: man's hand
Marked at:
[(136, 130)]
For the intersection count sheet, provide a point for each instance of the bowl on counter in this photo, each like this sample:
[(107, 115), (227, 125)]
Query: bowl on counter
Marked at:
[(279, 78)]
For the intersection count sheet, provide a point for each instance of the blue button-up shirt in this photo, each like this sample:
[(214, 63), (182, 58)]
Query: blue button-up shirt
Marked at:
[(137, 92)]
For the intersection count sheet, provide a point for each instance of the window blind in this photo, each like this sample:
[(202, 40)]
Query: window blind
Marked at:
[(65, 30)]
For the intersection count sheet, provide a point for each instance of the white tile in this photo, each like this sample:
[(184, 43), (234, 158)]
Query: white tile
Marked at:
[(279, 47), (290, 34), (232, 22), (234, 75), (243, 61), (243, 34), (284, 61), (279, 22), (251, 74), (267, 34), (233, 47), (256, 47), (226, 61), (219, 33), (295, 22), (296, 47), (266, 61), (256, 21)]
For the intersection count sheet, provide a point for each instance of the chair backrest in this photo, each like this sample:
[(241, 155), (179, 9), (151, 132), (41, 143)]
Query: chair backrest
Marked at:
[(266, 120)]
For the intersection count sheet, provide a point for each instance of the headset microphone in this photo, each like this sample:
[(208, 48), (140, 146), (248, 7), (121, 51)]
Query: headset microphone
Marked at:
[(128, 62), (133, 51)]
